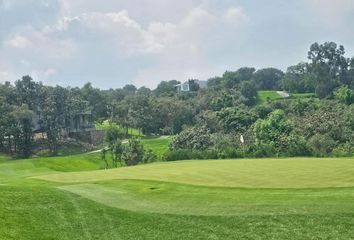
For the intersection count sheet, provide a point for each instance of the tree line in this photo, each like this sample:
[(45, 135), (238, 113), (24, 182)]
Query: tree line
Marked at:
[(204, 120)]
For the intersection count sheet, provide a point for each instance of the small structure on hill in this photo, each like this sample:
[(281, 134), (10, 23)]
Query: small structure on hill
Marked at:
[(80, 127), (191, 85)]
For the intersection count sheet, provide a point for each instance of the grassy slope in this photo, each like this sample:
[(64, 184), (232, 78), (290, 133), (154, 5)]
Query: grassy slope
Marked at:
[(105, 125), (268, 207), (17, 169), (264, 95), (273, 95), (159, 145)]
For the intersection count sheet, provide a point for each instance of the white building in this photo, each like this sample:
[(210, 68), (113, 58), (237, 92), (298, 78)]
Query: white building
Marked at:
[(185, 87)]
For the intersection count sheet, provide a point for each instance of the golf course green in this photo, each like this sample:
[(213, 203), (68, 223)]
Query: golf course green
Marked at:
[(71, 198)]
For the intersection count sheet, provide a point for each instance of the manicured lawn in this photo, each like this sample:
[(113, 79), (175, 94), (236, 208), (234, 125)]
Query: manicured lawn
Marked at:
[(16, 169), (48, 213), (159, 145), (105, 125), (3, 158), (172, 198), (249, 173), (263, 96), (65, 198)]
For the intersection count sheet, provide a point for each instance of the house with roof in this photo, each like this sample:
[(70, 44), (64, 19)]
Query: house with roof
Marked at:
[(191, 85)]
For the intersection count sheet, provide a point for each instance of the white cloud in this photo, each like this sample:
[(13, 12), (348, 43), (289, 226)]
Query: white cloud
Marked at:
[(19, 42), (132, 38), (198, 17), (37, 43), (118, 28), (172, 49), (62, 24), (185, 52), (236, 15), (180, 48)]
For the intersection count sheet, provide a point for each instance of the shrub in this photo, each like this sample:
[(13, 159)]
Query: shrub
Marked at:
[(345, 95), (133, 152), (261, 149), (149, 156), (321, 145), (113, 133), (276, 135), (344, 150), (198, 138)]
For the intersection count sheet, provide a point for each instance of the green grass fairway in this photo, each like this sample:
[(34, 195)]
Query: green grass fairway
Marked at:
[(19, 169), (66, 198), (251, 173), (263, 96), (159, 145), (3, 158)]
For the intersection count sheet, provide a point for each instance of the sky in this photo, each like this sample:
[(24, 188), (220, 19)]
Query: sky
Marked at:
[(111, 43)]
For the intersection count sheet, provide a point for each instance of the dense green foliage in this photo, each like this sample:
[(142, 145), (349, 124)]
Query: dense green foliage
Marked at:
[(129, 154), (212, 119)]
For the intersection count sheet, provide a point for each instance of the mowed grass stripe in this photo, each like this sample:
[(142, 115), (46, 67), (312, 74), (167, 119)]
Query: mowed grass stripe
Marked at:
[(43, 213), (248, 173), (172, 198)]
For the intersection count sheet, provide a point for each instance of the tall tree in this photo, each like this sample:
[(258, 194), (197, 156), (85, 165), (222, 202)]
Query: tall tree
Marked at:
[(23, 132), (249, 91), (55, 116), (129, 89), (268, 78), (29, 92), (246, 73), (96, 100), (329, 67), (166, 88), (231, 79), (298, 79)]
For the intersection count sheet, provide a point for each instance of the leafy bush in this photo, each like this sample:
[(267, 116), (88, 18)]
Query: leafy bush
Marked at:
[(130, 154), (198, 138), (133, 152), (344, 150), (236, 119), (262, 149), (321, 145), (344, 94), (113, 133), (276, 135), (149, 156)]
